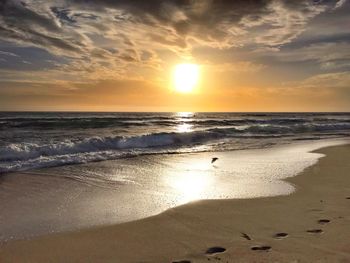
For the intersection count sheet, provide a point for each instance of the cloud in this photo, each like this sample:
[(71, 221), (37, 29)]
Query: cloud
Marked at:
[(327, 80), (8, 54), (339, 4), (64, 26), (327, 55), (237, 67), (287, 21)]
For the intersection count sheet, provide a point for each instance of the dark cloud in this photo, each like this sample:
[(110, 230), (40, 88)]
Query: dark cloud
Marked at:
[(16, 14), (21, 23), (63, 15), (211, 20), (207, 21)]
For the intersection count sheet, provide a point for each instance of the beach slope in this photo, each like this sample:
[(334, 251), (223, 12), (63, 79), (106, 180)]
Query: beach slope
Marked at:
[(311, 225)]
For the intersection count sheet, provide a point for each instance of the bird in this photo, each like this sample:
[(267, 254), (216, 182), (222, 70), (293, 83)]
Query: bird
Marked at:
[(244, 235), (213, 160)]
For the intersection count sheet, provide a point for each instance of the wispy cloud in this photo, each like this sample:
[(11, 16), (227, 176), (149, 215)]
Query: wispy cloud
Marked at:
[(8, 54), (339, 4)]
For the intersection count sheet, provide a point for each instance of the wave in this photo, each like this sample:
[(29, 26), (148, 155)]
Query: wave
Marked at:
[(126, 122), (20, 156), (33, 155), (286, 129), (23, 151)]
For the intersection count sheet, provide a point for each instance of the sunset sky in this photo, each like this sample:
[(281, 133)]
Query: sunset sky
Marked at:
[(105, 55)]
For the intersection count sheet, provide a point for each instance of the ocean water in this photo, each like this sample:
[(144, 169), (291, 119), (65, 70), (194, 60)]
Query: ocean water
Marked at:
[(31, 140)]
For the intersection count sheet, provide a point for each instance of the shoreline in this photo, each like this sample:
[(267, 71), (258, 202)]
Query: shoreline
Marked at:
[(66, 199), (187, 231)]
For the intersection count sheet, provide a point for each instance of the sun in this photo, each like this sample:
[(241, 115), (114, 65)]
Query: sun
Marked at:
[(185, 77)]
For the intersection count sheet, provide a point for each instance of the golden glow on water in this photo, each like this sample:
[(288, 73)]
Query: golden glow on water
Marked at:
[(184, 114), (184, 117), (184, 127)]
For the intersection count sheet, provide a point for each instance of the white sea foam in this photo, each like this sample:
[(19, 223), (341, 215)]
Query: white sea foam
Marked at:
[(34, 140)]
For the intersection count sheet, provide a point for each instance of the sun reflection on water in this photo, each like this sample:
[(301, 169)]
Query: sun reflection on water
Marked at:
[(184, 127), (183, 118), (184, 114)]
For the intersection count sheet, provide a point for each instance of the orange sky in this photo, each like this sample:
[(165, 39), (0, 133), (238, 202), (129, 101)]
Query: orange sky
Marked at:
[(119, 55)]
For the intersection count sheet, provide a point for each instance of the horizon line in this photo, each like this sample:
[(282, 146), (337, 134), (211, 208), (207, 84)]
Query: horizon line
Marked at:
[(73, 111)]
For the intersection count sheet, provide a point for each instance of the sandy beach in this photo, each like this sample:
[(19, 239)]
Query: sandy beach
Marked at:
[(174, 131), (310, 225)]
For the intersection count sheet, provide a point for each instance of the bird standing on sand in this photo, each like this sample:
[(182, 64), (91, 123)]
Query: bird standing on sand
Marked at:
[(213, 160)]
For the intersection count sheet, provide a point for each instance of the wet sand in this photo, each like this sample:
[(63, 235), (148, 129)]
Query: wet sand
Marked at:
[(311, 225), (73, 197)]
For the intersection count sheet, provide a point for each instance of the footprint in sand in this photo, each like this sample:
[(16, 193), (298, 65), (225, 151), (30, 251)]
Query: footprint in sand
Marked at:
[(215, 250), (323, 221), (315, 231), (280, 235), (182, 261), (261, 248)]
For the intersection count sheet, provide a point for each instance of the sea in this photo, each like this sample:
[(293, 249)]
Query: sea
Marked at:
[(31, 140)]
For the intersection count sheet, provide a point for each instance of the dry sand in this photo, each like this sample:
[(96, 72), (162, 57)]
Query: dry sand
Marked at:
[(184, 234)]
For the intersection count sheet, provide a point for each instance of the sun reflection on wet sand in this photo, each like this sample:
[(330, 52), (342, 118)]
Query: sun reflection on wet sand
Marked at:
[(191, 182), (191, 186)]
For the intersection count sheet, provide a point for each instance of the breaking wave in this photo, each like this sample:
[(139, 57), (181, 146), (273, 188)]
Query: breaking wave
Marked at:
[(23, 156)]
